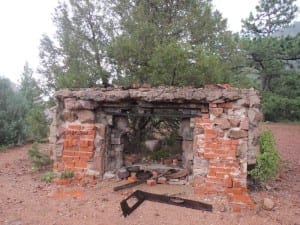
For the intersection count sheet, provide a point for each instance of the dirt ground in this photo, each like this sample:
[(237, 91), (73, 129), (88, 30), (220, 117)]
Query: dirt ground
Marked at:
[(25, 200)]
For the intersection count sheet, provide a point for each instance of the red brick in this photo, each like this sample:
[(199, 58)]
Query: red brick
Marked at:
[(214, 180), (88, 127), (67, 143), (151, 182), (85, 158), (210, 155), (212, 145), (227, 105), (234, 191), (242, 198), (87, 149), (220, 174), (83, 144), (84, 132), (81, 164), (210, 132), (74, 126), (68, 153), (91, 133), (67, 158), (69, 164), (228, 183), (212, 172), (132, 179), (237, 184), (85, 155)]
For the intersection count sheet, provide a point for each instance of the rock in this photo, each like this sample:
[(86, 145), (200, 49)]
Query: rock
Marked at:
[(86, 116), (245, 124), (236, 134), (268, 204), (151, 182), (216, 111), (109, 175), (234, 122), (123, 173), (223, 123), (152, 145), (162, 180)]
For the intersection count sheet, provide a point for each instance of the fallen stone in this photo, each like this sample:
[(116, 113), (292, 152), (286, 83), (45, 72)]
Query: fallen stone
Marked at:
[(268, 204), (177, 182), (151, 182), (123, 173), (162, 180)]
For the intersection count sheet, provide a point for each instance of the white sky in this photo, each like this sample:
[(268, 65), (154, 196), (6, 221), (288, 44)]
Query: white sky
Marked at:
[(22, 24)]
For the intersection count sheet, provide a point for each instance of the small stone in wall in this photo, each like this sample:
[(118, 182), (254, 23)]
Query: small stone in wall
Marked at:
[(222, 122), (86, 116), (236, 134), (234, 122)]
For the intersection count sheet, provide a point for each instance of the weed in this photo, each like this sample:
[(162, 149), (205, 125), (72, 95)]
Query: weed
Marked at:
[(268, 159), (48, 177), (67, 174), (160, 154), (39, 160)]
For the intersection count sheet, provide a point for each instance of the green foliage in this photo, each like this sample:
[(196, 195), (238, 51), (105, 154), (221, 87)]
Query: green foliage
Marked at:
[(172, 43), (67, 174), (38, 159), (160, 154), (3, 148), (13, 111), (281, 108), (267, 160), (270, 16), (37, 124), (75, 58), (48, 177)]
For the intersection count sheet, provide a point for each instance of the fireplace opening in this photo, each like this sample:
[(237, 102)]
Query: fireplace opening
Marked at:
[(158, 138)]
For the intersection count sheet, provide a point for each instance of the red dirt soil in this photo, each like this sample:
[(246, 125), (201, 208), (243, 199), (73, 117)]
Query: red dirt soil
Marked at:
[(25, 200)]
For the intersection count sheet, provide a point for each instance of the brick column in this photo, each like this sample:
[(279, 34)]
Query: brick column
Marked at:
[(78, 147)]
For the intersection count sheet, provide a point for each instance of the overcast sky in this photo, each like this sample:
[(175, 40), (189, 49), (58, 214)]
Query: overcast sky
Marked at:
[(22, 24)]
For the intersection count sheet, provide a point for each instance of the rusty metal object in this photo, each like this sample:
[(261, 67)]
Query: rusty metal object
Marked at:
[(140, 196), (129, 185)]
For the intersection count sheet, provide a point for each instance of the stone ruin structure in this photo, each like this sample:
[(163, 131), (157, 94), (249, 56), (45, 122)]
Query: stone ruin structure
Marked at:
[(219, 130)]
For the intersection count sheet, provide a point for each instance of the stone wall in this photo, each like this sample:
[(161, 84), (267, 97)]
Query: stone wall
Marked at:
[(219, 130)]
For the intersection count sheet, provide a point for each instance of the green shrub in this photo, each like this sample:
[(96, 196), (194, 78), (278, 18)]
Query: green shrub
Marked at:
[(281, 108), (48, 177), (67, 174), (266, 167), (160, 154), (37, 124), (13, 111), (39, 160)]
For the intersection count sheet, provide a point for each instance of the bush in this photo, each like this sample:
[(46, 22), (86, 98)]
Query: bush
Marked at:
[(67, 174), (12, 114), (48, 177), (160, 154), (279, 108), (39, 160), (266, 167), (37, 124)]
